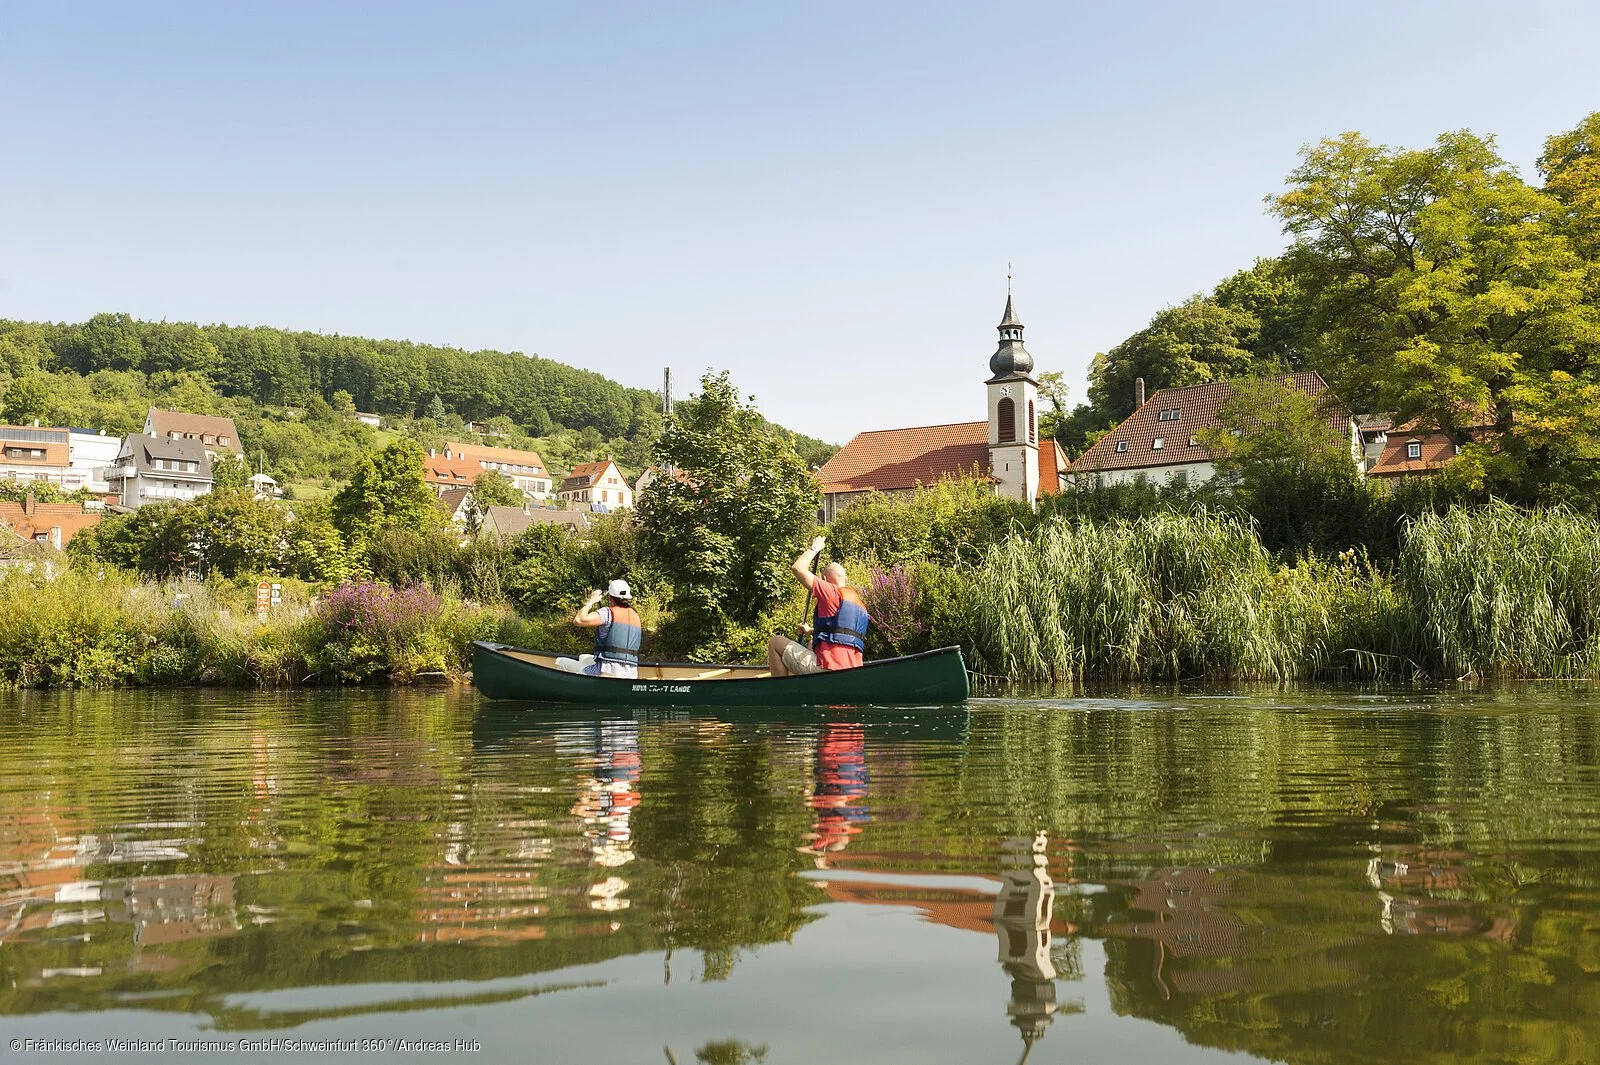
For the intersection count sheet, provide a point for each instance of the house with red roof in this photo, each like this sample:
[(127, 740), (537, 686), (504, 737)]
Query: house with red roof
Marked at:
[(1004, 449), (1413, 450), (599, 485), (1163, 440), (217, 435)]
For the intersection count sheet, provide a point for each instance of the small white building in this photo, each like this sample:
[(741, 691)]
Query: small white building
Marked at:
[(92, 451), (153, 469), (366, 418)]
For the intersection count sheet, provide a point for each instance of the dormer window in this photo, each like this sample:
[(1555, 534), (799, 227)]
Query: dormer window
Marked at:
[(1414, 450), (1158, 443), (1122, 445)]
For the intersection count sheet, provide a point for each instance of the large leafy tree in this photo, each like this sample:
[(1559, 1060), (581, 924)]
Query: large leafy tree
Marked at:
[(1444, 288), (725, 526), (1197, 341), (386, 491)]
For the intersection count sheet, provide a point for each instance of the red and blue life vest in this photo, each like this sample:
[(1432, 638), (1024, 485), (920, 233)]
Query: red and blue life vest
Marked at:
[(618, 640), (848, 626)]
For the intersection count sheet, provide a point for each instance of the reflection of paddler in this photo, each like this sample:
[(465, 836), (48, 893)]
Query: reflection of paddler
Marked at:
[(841, 772), (610, 794)]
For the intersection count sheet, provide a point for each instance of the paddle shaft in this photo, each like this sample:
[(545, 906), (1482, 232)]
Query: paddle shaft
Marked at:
[(801, 632)]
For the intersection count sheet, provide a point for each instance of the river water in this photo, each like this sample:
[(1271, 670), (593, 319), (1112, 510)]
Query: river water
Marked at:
[(1322, 876)]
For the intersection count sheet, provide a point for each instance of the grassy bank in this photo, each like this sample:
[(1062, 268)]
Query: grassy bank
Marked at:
[(83, 630)]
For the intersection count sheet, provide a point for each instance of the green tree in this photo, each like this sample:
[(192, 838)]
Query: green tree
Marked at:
[(1571, 168), (724, 531), (230, 472), (1197, 341), (386, 490), (28, 398), (1442, 287), (492, 488), (342, 401), (1290, 460), (436, 409)]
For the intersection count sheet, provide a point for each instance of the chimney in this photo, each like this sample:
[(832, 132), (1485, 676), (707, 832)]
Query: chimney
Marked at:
[(55, 537), (28, 502), (1138, 392)]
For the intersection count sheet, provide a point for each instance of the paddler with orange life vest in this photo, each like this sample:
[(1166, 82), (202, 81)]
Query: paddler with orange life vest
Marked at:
[(839, 628), (617, 637)]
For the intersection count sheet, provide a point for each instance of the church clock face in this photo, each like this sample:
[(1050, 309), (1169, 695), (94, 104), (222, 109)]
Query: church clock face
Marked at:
[(1005, 390)]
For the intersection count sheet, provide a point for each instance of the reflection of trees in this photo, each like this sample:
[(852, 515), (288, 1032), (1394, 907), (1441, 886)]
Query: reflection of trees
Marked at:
[(1311, 886)]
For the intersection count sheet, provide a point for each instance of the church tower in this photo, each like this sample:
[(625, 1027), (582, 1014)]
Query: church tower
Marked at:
[(1013, 402)]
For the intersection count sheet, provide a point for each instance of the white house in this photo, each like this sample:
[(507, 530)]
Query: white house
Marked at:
[(153, 469), (1161, 441), (90, 452), (599, 484), (217, 435)]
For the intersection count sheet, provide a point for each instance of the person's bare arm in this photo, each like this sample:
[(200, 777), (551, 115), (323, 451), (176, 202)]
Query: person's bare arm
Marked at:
[(802, 563), (587, 616)]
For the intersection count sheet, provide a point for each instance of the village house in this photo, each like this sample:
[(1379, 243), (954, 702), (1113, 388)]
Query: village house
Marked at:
[(46, 523), (1411, 450), (1005, 449), (38, 454), (216, 435), (455, 503), (154, 469), (514, 521), (368, 418), (69, 458), (598, 484), (460, 464), (1162, 441)]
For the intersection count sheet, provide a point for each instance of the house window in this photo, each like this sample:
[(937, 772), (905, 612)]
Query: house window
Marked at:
[(1122, 445), (1414, 450), (1158, 443), (1194, 441), (1006, 412)]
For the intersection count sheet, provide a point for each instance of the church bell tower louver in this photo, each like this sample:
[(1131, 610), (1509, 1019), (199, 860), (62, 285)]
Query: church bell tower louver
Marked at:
[(1013, 411)]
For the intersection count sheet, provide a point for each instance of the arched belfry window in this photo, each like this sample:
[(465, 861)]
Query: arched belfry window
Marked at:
[(1033, 434), (1007, 414)]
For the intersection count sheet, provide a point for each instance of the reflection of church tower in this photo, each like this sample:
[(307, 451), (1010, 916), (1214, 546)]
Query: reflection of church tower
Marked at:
[(1013, 431), (1022, 913)]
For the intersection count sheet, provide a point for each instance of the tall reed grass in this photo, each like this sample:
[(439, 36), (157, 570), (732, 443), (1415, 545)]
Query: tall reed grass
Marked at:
[(1495, 592), (1490, 591)]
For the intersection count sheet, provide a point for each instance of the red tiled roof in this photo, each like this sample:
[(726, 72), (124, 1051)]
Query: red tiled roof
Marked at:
[(68, 517), (508, 456), (586, 473), (1197, 407), (888, 459), (164, 423), (436, 469), (1436, 449), (885, 459)]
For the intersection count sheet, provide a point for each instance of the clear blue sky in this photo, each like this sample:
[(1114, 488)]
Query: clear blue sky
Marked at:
[(821, 198)]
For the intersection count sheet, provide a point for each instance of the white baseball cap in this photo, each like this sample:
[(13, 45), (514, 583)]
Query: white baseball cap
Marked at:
[(618, 589)]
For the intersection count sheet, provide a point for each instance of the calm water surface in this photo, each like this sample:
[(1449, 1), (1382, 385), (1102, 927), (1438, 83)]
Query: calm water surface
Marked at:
[(1311, 877)]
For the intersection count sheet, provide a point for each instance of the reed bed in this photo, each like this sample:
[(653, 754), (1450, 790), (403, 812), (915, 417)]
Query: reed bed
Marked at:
[(1497, 592), (1490, 592)]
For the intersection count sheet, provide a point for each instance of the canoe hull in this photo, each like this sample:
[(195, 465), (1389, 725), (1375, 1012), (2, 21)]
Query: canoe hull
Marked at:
[(929, 679)]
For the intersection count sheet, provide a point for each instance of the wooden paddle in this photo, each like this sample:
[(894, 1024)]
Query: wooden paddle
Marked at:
[(800, 633)]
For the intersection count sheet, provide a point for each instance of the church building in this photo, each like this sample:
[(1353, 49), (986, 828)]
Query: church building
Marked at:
[(1004, 449)]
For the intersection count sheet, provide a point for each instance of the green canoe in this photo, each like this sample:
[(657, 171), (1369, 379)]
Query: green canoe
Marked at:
[(931, 678)]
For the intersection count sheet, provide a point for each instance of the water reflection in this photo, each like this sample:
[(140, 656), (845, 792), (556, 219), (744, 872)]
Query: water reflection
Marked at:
[(1296, 880)]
